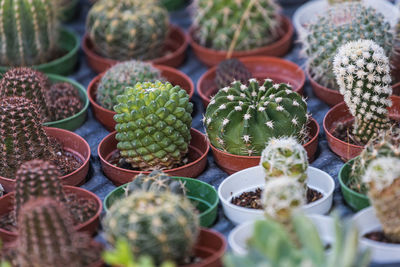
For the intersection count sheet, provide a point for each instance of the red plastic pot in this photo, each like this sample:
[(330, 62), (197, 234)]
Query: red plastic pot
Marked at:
[(277, 69), (198, 149), (90, 226), (340, 114), (71, 143), (279, 48), (231, 163), (174, 52)]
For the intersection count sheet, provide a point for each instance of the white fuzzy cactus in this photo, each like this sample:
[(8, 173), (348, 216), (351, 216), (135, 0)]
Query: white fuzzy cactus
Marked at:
[(382, 172)]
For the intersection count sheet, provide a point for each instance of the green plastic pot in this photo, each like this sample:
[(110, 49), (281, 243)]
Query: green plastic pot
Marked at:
[(74, 122), (172, 5), (64, 65), (67, 12), (202, 195), (354, 199)]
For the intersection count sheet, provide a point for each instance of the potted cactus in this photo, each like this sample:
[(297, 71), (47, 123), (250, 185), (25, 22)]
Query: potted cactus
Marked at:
[(68, 10), (225, 29), (144, 23), (104, 89)]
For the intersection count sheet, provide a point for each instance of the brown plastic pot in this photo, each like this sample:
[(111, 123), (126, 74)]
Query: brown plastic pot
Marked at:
[(174, 52), (277, 69), (90, 226), (279, 48), (340, 114), (71, 143), (231, 163), (106, 116), (198, 149)]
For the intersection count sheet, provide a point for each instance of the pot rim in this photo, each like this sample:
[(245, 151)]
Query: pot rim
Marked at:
[(344, 185)]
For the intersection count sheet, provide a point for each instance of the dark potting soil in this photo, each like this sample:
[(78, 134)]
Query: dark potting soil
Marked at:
[(379, 236), (252, 199), (64, 160)]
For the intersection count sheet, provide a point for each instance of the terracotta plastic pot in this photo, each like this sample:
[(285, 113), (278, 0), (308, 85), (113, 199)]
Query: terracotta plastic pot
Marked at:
[(277, 69), (279, 48), (174, 55), (340, 114), (198, 149), (106, 116), (90, 226), (71, 143), (231, 163)]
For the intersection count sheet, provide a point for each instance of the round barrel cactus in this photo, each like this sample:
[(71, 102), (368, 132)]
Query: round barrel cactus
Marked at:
[(231, 70), (241, 119), (153, 125)]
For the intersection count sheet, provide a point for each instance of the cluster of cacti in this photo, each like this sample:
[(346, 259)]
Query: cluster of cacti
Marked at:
[(241, 119), (122, 75), (30, 35), (161, 225), (363, 73), (64, 101), (341, 24), (153, 125), (231, 70), (128, 29), (235, 25)]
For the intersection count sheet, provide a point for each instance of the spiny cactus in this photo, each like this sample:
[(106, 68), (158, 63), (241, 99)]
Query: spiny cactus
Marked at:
[(231, 70), (241, 119), (363, 74), (284, 157), (237, 25), (65, 107), (341, 24), (60, 89), (161, 225), (128, 29), (153, 125), (31, 34), (122, 75)]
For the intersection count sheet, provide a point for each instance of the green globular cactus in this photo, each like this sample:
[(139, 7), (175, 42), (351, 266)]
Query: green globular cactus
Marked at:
[(30, 34), (241, 119), (235, 25), (161, 225), (285, 157), (153, 125), (128, 29), (341, 24), (363, 73), (120, 76), (231, 70)]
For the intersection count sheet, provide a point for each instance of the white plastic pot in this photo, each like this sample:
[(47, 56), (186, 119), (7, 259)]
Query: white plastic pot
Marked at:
[(366, 222), (253, 178)]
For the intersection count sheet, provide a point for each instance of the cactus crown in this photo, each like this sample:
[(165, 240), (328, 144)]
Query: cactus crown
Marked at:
[(382, 172), (231, 70), (363, 74), (240, 119), (285, 157)]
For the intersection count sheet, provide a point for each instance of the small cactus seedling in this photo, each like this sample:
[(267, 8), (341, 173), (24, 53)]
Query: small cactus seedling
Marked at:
[(231, 70), (363, 73)]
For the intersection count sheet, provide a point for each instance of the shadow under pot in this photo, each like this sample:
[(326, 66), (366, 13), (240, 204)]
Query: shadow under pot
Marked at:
[(72, 144), (106, 116), (277, 69), (340, 116)]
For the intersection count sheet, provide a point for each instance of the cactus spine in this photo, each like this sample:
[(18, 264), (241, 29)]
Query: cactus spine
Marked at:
[(231, 70)]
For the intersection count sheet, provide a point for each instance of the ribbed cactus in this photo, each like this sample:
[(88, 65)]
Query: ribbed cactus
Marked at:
[(162, 225), (122, 75), (235, 25), (284, 157), (341, 24), (153, 125), (231, 70), (128, 29), (383, 179), (30, 34), (240, 119), (363, 73)]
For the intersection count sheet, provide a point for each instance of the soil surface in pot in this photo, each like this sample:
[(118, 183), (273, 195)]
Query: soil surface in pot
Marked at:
[(379, 236), (64, 160), (252, 199)]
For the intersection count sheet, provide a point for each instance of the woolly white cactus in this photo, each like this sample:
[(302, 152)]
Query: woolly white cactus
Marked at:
[(363, 73), (285, 157), (382, 172)]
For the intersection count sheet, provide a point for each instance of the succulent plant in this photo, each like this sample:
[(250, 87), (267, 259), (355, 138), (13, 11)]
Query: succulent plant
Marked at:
[(235, 25), (60, 89), (231, 70), (363, 74), (339, 25), (161, 225), (31, 34), (285, 157), (128, 29), (241, 119), (65, 107), (122, 75), (153, 125)]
